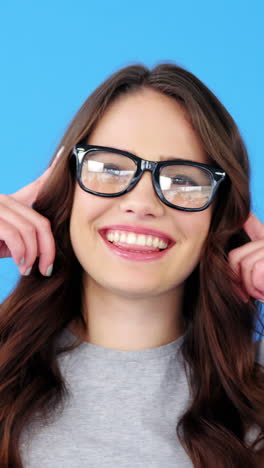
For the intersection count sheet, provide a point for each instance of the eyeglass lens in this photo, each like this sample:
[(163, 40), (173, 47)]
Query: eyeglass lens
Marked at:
[(181, 185)]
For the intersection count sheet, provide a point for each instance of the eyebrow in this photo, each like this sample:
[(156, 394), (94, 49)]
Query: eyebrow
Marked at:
[(165, 158), (162, 157), (171, 158), (175, 158)]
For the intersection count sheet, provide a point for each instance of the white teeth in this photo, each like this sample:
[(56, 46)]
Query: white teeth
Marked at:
[(141, 239), (162, 245), (133, 238), (116, 236), (123, 237), (149, 240), (156, 242)]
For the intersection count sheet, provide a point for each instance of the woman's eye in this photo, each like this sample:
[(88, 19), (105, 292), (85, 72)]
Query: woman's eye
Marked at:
[(112, 169), (183, 181)]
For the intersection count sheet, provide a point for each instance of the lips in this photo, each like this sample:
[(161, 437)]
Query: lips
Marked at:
[(138, 230), (128, 255)]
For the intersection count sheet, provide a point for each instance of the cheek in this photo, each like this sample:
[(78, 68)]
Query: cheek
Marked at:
[(194, 232), (86, 210), (198, 226), (196, 235), (87, 207), (200, 233), (193, 224)]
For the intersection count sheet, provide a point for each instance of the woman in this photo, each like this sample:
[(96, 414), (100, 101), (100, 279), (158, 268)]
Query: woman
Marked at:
[(138, 349)]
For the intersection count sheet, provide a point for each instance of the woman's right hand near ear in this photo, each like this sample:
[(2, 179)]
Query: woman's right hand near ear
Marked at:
[(24, 233)]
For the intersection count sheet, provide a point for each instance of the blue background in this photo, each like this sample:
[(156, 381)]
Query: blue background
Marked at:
[(54, 53)]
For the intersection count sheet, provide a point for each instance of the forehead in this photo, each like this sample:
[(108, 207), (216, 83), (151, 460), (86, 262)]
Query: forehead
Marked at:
[(151, 125)]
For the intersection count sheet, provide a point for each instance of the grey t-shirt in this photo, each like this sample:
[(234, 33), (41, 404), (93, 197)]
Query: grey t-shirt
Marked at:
[(122, 412)]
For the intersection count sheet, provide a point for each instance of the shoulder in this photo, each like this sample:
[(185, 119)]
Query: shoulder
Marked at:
[(259, 347)]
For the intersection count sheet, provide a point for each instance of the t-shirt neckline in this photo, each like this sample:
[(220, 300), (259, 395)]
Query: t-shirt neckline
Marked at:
[(114, 354)]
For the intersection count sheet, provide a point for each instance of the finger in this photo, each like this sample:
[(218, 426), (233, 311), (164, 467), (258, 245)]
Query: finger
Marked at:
[(235, 256), (28, 194), (254, 227), (250, 273), (35, 231), (59, 152), (26, 230), (11, 237), (258, 276), (54, 162)]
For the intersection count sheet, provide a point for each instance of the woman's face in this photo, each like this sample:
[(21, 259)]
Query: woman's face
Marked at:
[(152, 126)]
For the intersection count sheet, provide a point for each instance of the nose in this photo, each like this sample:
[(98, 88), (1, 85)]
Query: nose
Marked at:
[(142, 199)]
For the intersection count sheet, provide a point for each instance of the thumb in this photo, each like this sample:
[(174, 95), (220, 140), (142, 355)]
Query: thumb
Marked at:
[(28, 194)]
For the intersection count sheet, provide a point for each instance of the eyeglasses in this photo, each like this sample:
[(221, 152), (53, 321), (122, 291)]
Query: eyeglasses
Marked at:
[(180, 184)]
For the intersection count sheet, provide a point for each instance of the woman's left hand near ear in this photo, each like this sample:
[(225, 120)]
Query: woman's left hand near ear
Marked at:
[(248, 260)]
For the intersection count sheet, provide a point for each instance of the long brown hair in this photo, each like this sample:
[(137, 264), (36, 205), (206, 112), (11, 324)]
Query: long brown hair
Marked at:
[(226, 383)]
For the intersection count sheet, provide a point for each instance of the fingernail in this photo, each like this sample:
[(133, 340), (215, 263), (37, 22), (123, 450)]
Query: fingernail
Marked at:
[(22, 261), (27, 272), (49, 270)]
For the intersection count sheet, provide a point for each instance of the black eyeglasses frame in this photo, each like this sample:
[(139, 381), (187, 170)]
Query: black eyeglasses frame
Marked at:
[(142, 165)]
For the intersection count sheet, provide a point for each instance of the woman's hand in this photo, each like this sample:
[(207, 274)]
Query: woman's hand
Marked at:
[(24, 233), (248, 261)]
